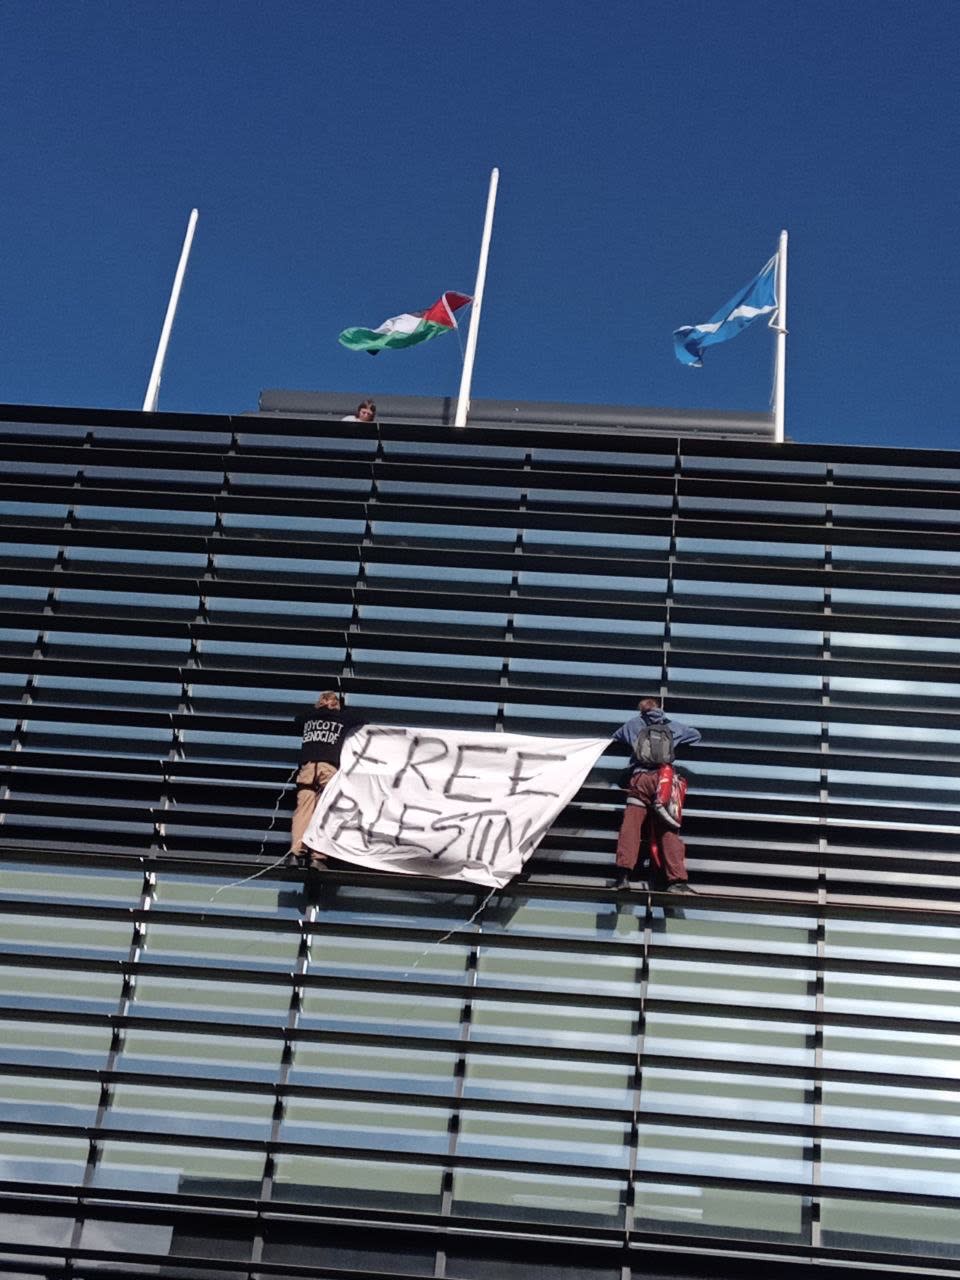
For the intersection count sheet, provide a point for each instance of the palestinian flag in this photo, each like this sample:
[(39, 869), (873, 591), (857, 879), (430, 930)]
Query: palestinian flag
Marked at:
[(409, 329)]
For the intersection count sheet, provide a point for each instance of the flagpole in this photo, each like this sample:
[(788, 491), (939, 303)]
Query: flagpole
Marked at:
[(153, 386), (463, 401), (780, 373)]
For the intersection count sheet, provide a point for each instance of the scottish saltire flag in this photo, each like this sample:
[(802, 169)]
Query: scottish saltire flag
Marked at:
[(756, 299)]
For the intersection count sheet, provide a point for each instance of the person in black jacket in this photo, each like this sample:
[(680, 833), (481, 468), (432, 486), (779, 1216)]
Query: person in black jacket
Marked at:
[(323, 728)]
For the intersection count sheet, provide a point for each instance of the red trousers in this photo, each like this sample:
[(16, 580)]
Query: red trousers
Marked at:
[(668, 854)]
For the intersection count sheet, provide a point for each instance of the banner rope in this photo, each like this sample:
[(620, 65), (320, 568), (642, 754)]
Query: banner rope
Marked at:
[(263, 843)]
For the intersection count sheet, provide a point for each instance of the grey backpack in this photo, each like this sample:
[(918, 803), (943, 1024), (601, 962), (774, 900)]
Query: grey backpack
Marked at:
[(653, 746)]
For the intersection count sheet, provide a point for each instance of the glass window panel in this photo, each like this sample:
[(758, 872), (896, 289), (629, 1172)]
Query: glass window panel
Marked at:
[(945, 510), (765, 466), (760, 679), (616, 975), (903, 645), (332, 443), (894, 688), (293, 522), (594, 1084), (139, 435), (916, 1053), (734, 506), (382, 1126), (133, 1166), (343, 484), (409, 530), (49, 1045), (635, 500), (122, 693), (116, 644), (42, 1100), (556, 1025), (228, 1002), (187, 1052), (316, 1179), (381, 1013), (892, 601), (905, 942), (720, 1210), (453, 616), (449, 573), (549, 585), (726, 1095), (583, 538), (401, 658), (204, 1113), (299, 606), (718, 1154), (26, 1157), (524, 622), (89, 886), (899, 995), (888, 1166), (263, 896), (35, 512), (34, 1228), (841, 554), (387, 958), (597, 1144), (748, 637), (139, 555), (277, 565), (459, 450), (43, 551), (236, 948), (896, 1228), (156, 477), (605, 458), (784, 1043), (506, 494), (749, 549), (397, 1070), (414, 908), (50, 934), (593, 671), (528, 1197), (750, 986), (766, 591), (556, 918), (893, 1110), (93, 513), (49, 989), (128, 599)]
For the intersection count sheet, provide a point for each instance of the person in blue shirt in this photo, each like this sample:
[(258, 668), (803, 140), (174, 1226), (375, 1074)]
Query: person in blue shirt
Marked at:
[(653, 789)]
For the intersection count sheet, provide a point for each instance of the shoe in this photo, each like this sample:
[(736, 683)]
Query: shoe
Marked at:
[(623, 878), (680, 886)]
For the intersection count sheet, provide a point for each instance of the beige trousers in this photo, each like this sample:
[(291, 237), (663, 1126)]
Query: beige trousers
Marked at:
[(312, 777)]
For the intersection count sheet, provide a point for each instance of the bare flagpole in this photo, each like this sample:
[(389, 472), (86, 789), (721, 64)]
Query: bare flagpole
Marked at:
[(463, 401), (153, 386), (780, 370)]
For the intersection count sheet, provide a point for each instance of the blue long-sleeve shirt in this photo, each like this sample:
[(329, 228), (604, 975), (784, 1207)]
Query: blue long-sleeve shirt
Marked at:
[(626, 735)]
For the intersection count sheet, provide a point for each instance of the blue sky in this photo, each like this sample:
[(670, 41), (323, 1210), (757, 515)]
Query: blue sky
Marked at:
[(339, 155)]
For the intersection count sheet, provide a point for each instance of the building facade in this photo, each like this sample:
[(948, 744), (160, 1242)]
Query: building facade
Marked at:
[(210, 1069)]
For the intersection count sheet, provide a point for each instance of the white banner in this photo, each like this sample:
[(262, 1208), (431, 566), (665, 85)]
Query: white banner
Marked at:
[(454, 804)]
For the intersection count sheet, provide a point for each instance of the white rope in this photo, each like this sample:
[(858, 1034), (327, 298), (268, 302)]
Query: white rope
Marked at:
[(273, 865)]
